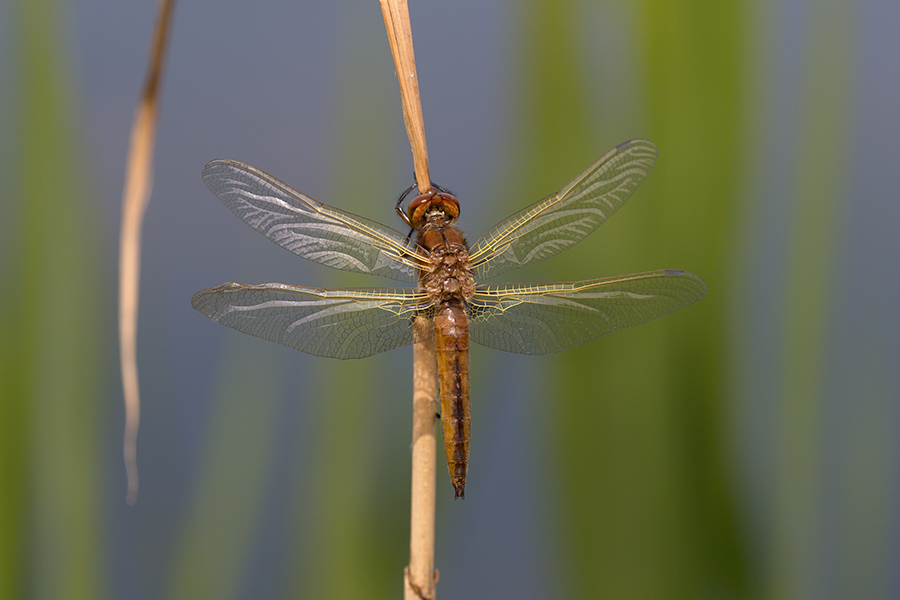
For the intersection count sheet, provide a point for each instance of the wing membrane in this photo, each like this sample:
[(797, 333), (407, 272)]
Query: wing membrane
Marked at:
[(332, 323), (566, 217), (309, 228), (539, 319)]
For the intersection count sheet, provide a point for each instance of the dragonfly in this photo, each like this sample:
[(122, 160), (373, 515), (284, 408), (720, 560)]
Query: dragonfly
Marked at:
[(455, 307)]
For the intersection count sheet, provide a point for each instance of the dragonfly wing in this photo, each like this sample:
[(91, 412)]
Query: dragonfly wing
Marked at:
[(565, 218), (308, 228), (539, 319), (331, 323)]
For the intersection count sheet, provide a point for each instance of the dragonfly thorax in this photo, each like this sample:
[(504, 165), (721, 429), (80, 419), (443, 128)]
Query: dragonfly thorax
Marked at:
[(449, 274)]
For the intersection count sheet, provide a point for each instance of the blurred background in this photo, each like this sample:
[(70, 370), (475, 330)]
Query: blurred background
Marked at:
[(745, 447)]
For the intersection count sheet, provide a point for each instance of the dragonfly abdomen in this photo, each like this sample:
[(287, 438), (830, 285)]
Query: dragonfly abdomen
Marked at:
[(449, 284), (451, 345)]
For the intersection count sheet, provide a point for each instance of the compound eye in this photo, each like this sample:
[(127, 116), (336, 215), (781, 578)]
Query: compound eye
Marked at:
[(449, 203), (417, 206), (418, 201)]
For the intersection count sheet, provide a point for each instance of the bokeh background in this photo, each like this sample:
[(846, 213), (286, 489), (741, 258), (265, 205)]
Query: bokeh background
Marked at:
[(745, 447)]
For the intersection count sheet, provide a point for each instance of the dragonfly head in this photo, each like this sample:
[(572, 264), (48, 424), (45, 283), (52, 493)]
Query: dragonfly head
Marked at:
[(433, 202)]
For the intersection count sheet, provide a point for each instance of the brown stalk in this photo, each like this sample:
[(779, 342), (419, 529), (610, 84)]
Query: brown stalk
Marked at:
[(399, 32), (138, 183), (419, 576)]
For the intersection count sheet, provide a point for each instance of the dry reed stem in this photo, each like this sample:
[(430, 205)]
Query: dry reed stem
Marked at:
[(136, 194), (419, 577), (399, 32)]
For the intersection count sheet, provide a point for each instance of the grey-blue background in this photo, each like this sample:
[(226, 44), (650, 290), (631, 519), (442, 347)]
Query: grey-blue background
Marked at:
[(243, 493)]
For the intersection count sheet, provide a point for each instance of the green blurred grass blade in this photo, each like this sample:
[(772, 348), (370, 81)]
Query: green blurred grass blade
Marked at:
[(559, 141), (797, 532), (50, 345), (696, 81), (232, 477), (644, 495), (349, 542)]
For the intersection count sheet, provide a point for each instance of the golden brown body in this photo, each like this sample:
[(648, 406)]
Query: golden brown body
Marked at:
[(449, 284)]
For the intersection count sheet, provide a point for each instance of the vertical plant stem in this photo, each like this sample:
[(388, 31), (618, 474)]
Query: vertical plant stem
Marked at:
[(399, 32), (138, 181), (418, 578)]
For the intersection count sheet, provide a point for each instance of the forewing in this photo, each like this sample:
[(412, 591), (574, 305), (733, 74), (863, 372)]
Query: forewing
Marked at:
[(539, 319), (308, 228), (563, 219), (332, 323)]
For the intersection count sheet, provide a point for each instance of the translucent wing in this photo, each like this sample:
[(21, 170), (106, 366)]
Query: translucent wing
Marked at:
[(566, 217), (331, 323), (309, 228), (539, 319)]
